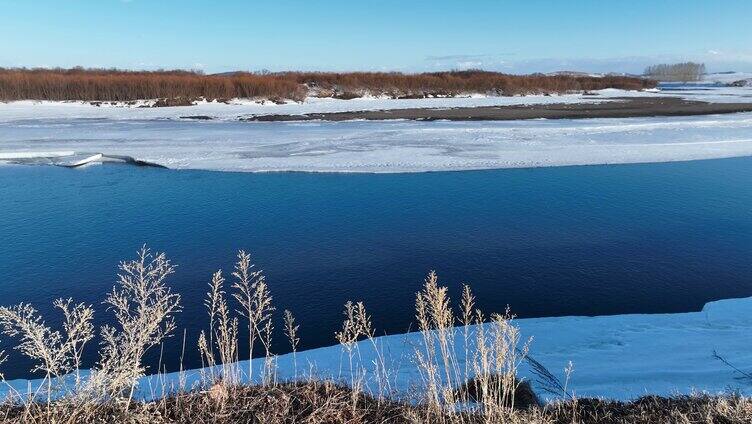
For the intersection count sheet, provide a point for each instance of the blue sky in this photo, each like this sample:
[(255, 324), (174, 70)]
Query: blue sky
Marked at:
[(513, 36)]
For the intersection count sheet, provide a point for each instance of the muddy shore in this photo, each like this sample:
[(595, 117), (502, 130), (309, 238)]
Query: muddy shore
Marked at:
[(625, 107)]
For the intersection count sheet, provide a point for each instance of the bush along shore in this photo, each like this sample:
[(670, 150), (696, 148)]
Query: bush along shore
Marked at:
[(465, 376), (176, 88)]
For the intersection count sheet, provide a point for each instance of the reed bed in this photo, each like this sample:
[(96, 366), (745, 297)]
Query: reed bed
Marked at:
[(468, 364), (180, 87)]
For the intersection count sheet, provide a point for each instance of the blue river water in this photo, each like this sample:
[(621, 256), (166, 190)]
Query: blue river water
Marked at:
[(589, 240)]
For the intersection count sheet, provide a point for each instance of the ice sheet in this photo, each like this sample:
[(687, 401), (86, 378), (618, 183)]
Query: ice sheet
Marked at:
[(380, 146)]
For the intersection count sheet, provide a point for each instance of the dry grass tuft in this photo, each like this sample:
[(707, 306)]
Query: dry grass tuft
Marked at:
[(524, 396)]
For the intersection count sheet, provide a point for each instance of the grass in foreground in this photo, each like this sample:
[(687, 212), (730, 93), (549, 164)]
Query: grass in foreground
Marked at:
[(467, 372)]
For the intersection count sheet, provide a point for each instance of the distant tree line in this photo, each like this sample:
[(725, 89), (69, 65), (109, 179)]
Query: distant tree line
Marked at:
[(687, 71)]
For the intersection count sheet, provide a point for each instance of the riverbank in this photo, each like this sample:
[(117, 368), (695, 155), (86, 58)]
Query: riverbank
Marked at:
[(326, 402), (624, 107)]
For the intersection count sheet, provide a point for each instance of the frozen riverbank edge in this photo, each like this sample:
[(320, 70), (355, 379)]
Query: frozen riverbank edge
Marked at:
[(376, 146), (625, 107), (66, 134), (619, 356), (604, 103)]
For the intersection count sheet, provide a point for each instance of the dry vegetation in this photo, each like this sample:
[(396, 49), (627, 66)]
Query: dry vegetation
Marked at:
[(316, 402), (459, 82), (116, 85), (482, 389), (184, 87)]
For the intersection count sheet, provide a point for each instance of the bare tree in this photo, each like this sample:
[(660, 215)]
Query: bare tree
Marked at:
[(687, 71)]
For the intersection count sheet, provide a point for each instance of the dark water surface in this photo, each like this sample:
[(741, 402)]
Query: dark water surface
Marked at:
[(551, 241)]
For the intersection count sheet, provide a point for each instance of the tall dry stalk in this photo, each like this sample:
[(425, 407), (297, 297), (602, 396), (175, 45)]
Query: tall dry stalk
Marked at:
[(467, 307), (223, 332), (3, 358), (348, 336), (357, 324), (363, 329), (291, 331), (79, 330), (144, 309), (490, 351), (265, 335), (252, 293), (496, 362), (436, 324)]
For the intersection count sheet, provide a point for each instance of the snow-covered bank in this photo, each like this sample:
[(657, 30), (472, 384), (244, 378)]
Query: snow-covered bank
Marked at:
[(29, 109), (711, 91), (621, 356), (380, 146), (726, 77)]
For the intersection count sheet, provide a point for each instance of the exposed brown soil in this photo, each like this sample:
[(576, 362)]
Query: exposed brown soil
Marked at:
[(625, 107), (325, 402)]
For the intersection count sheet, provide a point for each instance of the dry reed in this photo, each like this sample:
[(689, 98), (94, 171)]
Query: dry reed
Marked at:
[(183, 87), (468, 365)]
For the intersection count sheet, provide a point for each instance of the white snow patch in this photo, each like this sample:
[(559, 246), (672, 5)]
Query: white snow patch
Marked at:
[(239, 108), (726, 77), (380, 146)]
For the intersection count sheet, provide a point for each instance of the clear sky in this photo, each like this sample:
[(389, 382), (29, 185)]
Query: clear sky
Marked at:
[(513, 36)]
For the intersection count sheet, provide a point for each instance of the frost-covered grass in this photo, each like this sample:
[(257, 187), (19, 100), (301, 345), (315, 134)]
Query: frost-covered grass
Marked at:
[(416, 377)]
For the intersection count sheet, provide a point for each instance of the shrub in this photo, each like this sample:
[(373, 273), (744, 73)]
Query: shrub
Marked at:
[(178, 87)]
